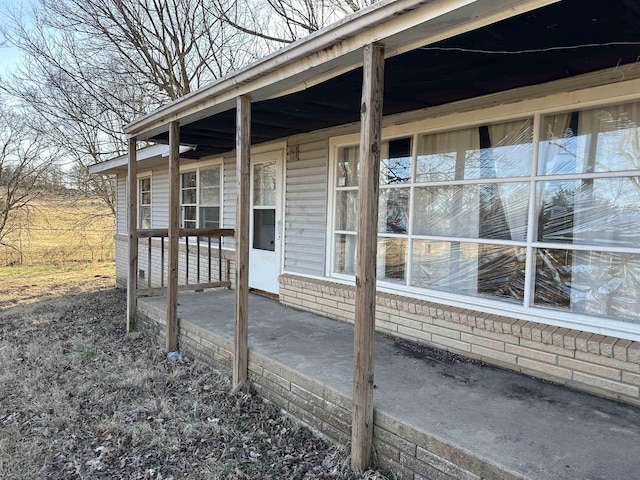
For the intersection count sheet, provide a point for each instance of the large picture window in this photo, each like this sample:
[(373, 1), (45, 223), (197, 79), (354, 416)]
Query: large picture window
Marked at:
[(200, 194), (541, 217)]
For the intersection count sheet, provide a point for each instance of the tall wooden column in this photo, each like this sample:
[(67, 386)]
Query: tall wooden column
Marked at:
[(174, 226), (364, 334), (132, 206), (243, 175)]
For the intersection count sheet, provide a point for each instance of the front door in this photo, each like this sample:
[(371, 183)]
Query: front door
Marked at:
[(266, 221)]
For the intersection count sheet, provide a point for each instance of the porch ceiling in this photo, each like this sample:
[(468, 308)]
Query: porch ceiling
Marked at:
[(591, 35)]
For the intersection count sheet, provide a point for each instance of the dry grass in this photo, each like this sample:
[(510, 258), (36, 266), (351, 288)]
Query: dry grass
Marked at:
[(81, 399), (60, 230), (22, 285)]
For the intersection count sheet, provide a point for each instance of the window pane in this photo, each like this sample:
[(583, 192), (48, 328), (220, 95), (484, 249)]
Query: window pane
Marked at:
[(496, 210), (602, 139), (210, 186), (264, 229), (347, 210), (493, 151), (145, 184), (209, 217), (189, 180), (392, 259), (345, 254), (145, 198), (210, 195), (469, 268), (393, 210), (145, 217), (348, 158), (603, 211), (395, 164), (264, 184), (189, 217), (210, 177), (189, 196), (589, 282)]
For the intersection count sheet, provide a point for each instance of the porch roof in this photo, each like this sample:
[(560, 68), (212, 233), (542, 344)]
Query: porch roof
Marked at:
[(437, 52)]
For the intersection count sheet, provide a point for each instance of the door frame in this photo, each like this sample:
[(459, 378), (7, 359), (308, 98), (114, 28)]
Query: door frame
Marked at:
[(262, 154)]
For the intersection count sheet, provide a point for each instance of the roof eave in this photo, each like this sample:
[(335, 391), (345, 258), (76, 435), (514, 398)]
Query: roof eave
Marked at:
[(145, 155), (332, 51)]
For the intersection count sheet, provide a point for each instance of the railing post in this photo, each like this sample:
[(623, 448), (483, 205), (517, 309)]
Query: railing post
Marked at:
[(198, 258), (132, 206), (364, 333)]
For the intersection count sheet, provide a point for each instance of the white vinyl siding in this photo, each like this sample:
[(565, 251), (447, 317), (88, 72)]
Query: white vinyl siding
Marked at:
[(160, 210), (121, 204), (229, 199), (305, 214)]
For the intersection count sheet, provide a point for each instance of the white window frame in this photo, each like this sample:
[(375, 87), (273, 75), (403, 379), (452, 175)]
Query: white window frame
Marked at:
[(534, 108), (197, 167), (141, 178)]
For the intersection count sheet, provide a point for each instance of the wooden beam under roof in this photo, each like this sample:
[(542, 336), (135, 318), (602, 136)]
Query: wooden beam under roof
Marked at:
[(132, 205), (174, 232), (243, 175)]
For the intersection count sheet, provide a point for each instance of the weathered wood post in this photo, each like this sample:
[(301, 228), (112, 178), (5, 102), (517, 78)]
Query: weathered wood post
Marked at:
[(367, 243), (132, 205), (174, 231), (243, 174)]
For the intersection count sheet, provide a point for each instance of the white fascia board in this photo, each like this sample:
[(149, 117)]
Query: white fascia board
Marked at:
[(400, 24), (144, 155)]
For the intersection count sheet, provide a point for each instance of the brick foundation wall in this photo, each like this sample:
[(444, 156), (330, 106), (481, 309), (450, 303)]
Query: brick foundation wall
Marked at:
[(605, 366), (410, 453)]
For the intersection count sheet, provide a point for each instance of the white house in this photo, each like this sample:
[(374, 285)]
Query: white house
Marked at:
[(509, 184)]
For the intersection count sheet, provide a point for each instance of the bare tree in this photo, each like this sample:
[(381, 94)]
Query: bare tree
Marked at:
[(279, 22), (92, 66), (170, 46), (24, 163)]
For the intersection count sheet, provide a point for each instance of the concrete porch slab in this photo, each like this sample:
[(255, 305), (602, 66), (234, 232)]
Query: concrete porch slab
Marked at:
[(528, 427)]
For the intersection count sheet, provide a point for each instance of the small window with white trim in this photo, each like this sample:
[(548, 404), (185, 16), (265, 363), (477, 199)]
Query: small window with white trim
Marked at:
[(200, 195), (144, 202)]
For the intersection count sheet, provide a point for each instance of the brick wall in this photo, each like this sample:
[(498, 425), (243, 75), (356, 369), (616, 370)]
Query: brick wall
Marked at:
[(605, 366), (410, 453)]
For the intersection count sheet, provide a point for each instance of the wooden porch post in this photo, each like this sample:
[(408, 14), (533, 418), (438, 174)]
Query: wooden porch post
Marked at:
[(132, 274), (243, 174), (364, 334), (174, 225)]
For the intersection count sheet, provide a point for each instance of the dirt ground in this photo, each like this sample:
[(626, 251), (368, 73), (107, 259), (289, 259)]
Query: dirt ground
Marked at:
[(81, 399)]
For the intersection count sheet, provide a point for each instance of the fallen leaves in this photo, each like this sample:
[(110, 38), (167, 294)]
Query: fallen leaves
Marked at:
[(81, 399)]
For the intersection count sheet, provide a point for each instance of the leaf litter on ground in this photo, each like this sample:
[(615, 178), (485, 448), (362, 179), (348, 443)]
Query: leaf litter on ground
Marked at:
[(80, 399)]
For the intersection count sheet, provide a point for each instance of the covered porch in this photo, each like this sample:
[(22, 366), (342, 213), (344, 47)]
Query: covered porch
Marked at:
[(436, 416)]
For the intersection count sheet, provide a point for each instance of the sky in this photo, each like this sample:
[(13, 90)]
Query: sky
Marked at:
[(9, 56)]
